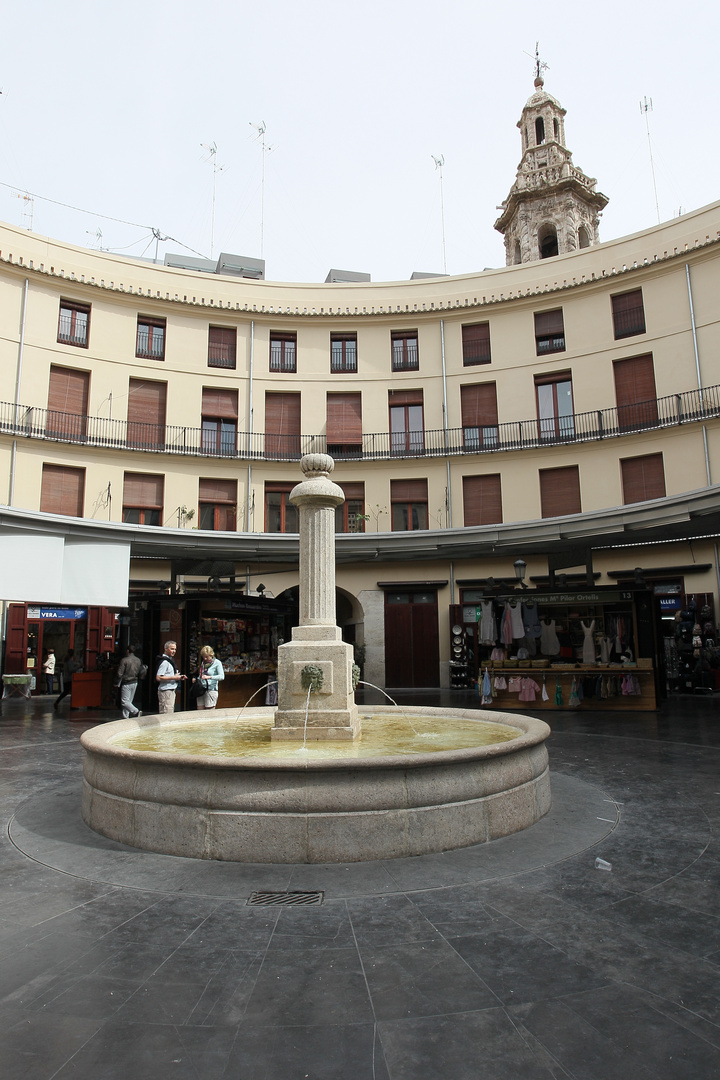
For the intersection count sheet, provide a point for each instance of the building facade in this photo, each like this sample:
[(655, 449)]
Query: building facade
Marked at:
[(561, 412)]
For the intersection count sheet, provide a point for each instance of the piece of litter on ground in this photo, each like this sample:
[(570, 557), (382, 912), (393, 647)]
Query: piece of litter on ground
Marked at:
[(610, 820), (600, 864)]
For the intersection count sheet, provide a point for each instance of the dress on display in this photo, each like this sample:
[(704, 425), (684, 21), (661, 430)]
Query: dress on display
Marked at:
[(516, 619), (488, 628), (549, 644), (588, 654), (531, 619)]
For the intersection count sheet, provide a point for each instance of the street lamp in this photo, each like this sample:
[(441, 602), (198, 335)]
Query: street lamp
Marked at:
[(520, 566)]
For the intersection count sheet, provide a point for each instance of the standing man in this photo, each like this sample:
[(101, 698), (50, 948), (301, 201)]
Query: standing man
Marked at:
[(70, 666), (128, 673), (49, 669), (168, 678)]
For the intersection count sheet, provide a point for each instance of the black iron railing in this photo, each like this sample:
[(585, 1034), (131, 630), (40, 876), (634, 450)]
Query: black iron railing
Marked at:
[(693, 405)]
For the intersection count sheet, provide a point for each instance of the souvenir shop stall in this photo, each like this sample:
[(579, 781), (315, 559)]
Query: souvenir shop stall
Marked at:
[(692, 649), (591, 648)]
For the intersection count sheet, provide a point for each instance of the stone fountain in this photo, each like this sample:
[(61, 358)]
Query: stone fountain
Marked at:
[(304, 783)]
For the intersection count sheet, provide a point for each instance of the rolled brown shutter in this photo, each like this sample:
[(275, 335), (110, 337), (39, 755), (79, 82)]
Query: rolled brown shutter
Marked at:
[(478, 403), (143, 490), (482, 500), (222, 346), (476, 343), (282, 424), (147, 403), (219, 404), (353, 490), (635, 391), (628, 313), (214, 490), (67, 402), (62, 490), (549, 323), (406, 491), (344, 419), (643, 478), (405, 397), (560, 491)]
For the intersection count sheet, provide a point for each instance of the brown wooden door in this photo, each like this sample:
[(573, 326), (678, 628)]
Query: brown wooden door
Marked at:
[(412, 654)]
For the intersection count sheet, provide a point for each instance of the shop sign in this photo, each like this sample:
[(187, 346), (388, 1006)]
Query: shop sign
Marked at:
[(57, 613), (611, 596), (670, 603)]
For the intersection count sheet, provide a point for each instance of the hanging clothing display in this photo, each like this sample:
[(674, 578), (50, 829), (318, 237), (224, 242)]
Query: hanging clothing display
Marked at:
[(531, 619), (549, 644), (573, 700), (514, 684), (506, 633), (545, 696), (588, 651), (487, 631), (486, 689), (528, 689), (558, 693), (500, 683), (516, 619), (498, 653), (605, 649)]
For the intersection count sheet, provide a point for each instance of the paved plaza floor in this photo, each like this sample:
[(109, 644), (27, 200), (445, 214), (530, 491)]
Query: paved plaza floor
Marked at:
[(516, 960)]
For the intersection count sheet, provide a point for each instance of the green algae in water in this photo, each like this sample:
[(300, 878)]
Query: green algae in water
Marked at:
[(383, 735)]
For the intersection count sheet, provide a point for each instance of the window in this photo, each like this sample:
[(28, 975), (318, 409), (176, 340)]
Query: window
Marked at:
[(478, 404), (280, 515), (555, 406), (62, 490), (643, 478), (344, 424), (217, 502), (150, 342), (348, 517), (560, 491), (476, 344), (628, 313), (539, 131), (482, 500), (635, 392), (409, 499), (343, 352), (283, 352), (406, 422), (219, 421), (146, 414), (68, 392), (548, 242), (143, 498), (549, 331), (404, 350), (282, 425), (222, 346), (74, 323)]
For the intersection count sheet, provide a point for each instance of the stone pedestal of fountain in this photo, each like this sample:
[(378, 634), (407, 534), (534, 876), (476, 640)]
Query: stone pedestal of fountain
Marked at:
[(317, 659)]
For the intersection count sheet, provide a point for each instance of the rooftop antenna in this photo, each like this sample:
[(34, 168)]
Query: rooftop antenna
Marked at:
[(646, 106), (98, 236), (159, 237), (212, 158), (540, 65), (261, 128), (439, 162), (29, 207)]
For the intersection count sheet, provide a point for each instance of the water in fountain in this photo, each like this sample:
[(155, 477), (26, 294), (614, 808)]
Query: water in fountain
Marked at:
[(420, 734), (253, 695)]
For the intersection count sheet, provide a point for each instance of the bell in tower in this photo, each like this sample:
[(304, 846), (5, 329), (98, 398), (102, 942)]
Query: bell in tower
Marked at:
[(553, 207)]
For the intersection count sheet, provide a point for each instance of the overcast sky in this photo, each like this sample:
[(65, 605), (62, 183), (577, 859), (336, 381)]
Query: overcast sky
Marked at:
[(106, 106)]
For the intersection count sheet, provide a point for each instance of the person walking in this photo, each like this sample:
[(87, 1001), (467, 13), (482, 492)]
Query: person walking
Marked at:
[(70, 666), (168, 678), (211, 672), (49, 670), (127, 676)]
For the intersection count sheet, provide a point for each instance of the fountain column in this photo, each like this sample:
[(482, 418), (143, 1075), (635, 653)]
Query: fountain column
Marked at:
[(331, 711)]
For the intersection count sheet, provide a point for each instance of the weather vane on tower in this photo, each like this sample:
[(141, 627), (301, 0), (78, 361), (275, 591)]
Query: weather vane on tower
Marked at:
[(540, 65)]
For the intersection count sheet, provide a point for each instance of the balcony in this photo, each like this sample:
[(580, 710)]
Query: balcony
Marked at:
[(22, 421)]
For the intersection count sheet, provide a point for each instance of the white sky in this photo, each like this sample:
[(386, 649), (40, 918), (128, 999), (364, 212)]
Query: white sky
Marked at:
[(105, 107)]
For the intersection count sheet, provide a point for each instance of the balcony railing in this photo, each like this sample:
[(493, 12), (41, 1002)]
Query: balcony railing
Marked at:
[(693, 405)]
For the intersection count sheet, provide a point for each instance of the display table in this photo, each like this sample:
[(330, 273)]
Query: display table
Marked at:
[(16, 685), (564, 674), (238, 687)]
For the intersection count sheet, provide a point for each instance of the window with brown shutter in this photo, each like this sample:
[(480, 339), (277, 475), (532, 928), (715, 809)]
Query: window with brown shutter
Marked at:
[(150, 341), (343, 352), (222, 346), (409, 499), (344, 423), (74, 323), (147, 402), (280, 514), (476, 344), (643, 478), (283, 351), (404, 350), (68, 394), (219, 420), (217, 501), (143, 498), (549, 331), (349, 516), (628, 313), (62, 490), (478, 406), (282, 425), (560, 491), (482, 500), (635, 392), (556, 419)]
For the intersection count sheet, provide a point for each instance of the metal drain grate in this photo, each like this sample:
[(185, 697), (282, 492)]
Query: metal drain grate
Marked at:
[(286, 899)]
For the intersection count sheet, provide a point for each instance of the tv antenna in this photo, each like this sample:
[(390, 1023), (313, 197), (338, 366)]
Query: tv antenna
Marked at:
[(540, 65), (261, 128), (29, 207), (646, 106), (439, 162), (212, 158), (159, 236), (98, 236)]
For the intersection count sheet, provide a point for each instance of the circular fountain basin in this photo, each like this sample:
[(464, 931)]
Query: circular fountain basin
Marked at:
[(417, 781)]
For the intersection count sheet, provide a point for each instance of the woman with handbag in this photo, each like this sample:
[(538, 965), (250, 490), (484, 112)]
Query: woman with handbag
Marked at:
[(205, 683)]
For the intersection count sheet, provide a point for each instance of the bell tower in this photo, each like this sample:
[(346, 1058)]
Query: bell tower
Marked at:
[(553, 207)]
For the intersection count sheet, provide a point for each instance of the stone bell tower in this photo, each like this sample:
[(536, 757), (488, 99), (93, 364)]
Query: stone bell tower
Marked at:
[(553, 207)]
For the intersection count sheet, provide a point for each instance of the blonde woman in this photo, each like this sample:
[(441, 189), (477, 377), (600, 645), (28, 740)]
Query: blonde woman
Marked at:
[(211, 671)]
